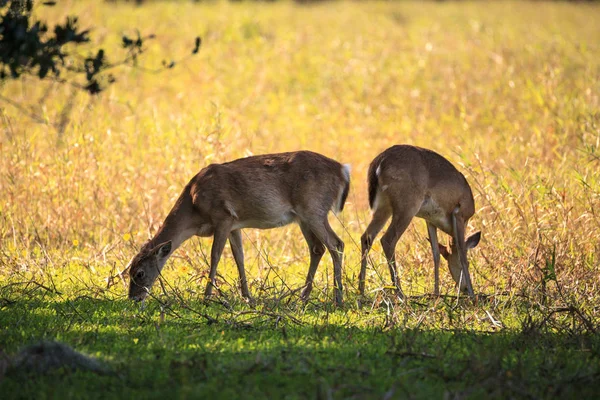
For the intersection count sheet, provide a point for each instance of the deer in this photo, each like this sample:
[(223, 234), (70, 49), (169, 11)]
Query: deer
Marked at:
[(262, 192), (408, 181)]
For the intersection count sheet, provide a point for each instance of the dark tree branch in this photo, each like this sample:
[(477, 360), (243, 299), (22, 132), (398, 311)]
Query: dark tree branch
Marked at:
[(29, 47)]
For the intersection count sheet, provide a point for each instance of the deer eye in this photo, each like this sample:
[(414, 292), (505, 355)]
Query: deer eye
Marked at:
[(139, 275)]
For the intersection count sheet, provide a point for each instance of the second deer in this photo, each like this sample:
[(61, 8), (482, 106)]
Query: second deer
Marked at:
[(406, 182)]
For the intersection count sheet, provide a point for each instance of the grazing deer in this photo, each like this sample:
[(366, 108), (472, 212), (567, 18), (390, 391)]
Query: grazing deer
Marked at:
[(408, 181), (263, 192)]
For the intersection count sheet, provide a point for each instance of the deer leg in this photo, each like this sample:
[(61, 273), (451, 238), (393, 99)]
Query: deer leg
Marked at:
[(316, 249), (435, 249), (235, 241), (334, 244), (458, 229), (220, 237), (380, 217), (400, 222)]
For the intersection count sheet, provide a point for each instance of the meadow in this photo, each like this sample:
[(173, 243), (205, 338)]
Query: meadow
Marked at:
[(507, 91)]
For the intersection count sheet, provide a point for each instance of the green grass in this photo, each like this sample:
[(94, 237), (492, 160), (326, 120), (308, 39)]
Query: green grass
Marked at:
[(507, 91), (179, 346), (224, 351)]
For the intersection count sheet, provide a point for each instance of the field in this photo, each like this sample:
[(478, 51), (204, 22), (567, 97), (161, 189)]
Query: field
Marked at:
[(507, 91)]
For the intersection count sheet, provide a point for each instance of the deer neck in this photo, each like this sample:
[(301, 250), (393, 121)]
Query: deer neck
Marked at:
[(176, 229)]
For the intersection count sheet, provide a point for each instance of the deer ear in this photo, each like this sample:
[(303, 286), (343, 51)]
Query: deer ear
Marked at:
[(163, 250), (444, 251), (473, 240)]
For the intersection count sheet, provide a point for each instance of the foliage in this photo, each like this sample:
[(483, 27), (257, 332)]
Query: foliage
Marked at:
[(506, 91), (28, 47)]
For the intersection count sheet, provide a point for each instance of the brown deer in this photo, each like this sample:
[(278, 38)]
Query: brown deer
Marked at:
[(408, 181), (263, 192)]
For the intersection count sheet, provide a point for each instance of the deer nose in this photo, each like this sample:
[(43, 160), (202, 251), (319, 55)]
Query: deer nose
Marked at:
[(136, 296)]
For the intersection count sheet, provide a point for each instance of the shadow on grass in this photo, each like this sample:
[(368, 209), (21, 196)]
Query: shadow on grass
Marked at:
[(252, 353)]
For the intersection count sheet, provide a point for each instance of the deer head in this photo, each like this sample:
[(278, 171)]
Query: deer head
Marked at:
[(145, 268)]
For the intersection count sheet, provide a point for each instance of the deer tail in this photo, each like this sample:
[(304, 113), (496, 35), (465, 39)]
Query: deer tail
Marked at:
[(341, 200)]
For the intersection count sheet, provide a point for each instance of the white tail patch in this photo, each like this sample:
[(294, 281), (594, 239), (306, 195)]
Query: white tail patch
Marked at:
[(346, 168), (339, 203)]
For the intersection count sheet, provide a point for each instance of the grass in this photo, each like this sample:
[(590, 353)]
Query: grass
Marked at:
[(507, 91), (217, 350)]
